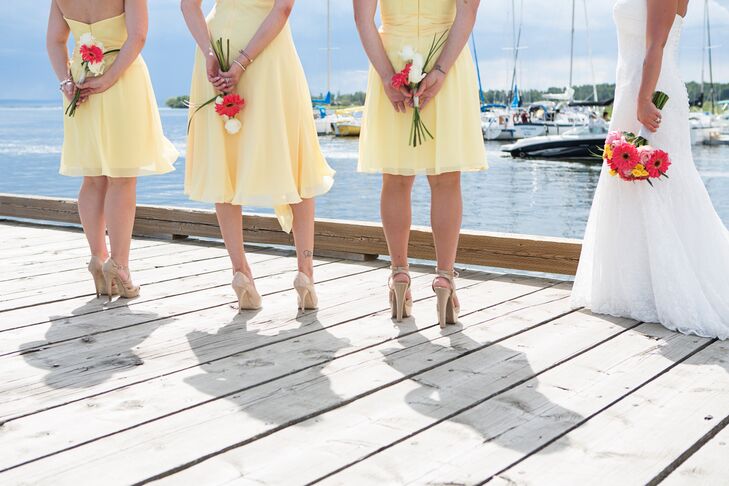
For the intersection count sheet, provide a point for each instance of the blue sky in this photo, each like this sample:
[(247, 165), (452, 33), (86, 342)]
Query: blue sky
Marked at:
[(25, 74)]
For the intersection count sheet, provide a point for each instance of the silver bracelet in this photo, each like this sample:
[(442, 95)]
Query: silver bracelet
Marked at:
[(241, 65), (65, 82), (244, 53)]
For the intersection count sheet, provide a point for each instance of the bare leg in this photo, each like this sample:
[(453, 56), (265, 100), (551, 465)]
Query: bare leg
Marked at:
[(231, 226), (120, 208), (446, 213), (396, 213), (303, 229), (91, 211)]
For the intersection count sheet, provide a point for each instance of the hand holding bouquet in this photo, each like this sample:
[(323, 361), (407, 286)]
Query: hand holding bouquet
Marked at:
[(631, 158), (415, 70), (227, 105), (93, 63)]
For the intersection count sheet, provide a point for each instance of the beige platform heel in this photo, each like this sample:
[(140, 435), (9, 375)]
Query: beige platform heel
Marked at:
[(248, 296), (446, 298), (307, 294), (400, 304), (112, 278), (95, 269)]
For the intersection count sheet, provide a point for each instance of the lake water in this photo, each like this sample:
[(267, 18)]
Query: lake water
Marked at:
[(516, 196)]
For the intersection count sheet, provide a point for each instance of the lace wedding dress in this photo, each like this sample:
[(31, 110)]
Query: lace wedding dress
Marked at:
[(661, 253)]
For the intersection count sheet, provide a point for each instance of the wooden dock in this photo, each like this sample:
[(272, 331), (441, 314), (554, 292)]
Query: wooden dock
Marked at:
[(176, 387)]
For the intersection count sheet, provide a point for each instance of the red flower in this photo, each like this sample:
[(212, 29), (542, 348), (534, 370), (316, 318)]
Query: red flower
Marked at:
[(230, 106), (401, 79), (625, 156), (659, 163), (91, 54)]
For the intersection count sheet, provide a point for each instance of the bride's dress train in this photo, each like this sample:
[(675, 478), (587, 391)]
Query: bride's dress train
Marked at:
[(661, 253)]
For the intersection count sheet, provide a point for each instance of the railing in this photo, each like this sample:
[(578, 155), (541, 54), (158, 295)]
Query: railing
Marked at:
[(521, 252)]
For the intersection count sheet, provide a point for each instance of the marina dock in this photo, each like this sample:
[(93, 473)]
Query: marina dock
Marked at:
[(177, 387)]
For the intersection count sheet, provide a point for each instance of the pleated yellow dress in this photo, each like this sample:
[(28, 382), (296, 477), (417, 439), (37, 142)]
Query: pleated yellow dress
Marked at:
[(117, 133), (453, 116), (275, 159)]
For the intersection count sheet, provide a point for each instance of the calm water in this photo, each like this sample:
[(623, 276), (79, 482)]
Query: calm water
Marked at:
[(531, 197)]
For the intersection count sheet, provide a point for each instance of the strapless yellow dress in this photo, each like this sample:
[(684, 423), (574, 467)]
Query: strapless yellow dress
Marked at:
[(453, 116), (275, 159), (117, 133)]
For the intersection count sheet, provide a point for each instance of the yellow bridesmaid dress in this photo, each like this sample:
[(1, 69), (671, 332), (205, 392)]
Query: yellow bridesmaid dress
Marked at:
[(117, 133), (275, 159), (453, 116)]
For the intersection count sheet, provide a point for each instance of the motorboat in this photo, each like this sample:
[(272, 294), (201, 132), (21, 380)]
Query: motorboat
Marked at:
[(584, 143)]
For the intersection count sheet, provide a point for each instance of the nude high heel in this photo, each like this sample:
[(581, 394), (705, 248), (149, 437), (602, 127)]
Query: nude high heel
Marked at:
[(248, 296), (446, 298), (305, 289), (95, 269), (112, 277), (400, 303)]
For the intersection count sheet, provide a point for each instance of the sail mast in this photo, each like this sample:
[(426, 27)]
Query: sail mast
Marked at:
[(712, 92), (329, 46), (572, 46)]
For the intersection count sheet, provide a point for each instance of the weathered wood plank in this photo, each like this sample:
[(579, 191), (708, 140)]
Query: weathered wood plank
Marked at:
[(172, 280), (75, 369), (708, 466), (472, 446), (337, 437), (541, 254), (640, 435), (335, 343)]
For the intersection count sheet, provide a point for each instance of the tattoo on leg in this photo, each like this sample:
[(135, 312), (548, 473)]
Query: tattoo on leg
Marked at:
[(308, 254)]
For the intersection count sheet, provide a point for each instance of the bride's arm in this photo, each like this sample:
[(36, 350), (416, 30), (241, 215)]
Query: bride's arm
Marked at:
[(137, 23), (272, 25), (661, 16)]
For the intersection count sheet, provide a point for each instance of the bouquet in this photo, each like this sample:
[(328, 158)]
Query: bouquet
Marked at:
[(92, 62), (415, 70), (631, 158), (226, 105)]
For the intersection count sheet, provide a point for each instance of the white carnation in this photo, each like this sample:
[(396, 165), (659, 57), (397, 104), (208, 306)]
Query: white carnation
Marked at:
[(86, 39), (407, 53), (232, 126), (96, 68), (219, 100)]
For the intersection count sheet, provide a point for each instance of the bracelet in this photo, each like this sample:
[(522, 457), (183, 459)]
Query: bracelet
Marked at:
[(244, 53), (64, 83), (438, 68), (241, 65)]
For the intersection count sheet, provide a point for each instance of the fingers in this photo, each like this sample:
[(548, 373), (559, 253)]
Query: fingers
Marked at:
[(399, 106), (405, 92)]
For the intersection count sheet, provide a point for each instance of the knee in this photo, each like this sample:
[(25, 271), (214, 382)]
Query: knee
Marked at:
[(122, 182), (397, 183), (95, 183), (445, 182)]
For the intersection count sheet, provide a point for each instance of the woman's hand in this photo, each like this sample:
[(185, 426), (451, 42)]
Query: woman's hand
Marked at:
[(69, 90), (231, 78), (212, 69), (96, 85), (430, 86), (649, 115), (399, 97)]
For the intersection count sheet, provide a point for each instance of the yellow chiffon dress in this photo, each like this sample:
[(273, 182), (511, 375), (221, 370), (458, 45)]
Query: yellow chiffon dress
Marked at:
[(453, 116), (275, 159), (117, 133)]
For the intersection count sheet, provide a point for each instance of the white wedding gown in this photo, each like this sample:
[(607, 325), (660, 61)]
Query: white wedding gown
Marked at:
[(661, 253)]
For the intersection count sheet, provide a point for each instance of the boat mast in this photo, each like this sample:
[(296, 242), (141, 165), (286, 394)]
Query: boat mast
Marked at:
[(572, 46), (589, 53), (516, 37), (481, 96), (712, 92), (329, 46)]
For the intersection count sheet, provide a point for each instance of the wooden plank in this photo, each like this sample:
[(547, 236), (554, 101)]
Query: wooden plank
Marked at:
[(76, 271), (337, 437), (541, 254), (472, 446), (53, 375), (708, 466), (632, 441), (172, 280), (337, 343)]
